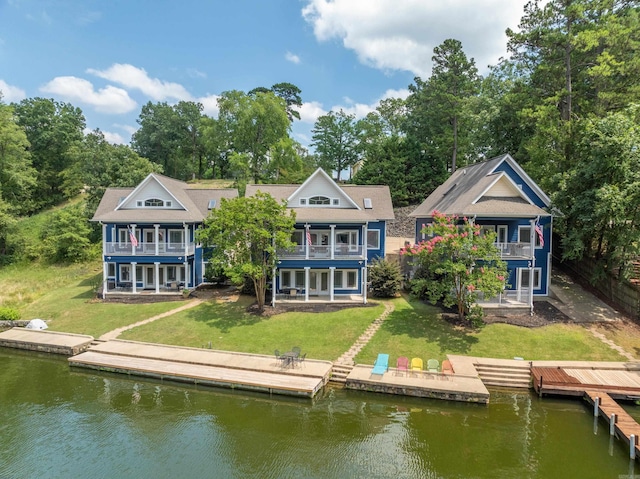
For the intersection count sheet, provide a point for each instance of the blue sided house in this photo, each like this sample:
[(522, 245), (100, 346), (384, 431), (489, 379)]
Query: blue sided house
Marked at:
[(339, 230), (148, 235), (499, 196)]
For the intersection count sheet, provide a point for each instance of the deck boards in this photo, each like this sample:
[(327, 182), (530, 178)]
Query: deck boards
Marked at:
[(619, 383), (625, 425)]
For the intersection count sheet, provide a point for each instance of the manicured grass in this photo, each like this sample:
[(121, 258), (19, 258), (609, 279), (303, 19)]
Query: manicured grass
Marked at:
[(228, 326), (415, 329), (624, 333), (64, 297)]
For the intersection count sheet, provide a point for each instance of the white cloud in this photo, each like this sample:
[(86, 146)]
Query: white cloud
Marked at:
[(137, 78), (114, 138), (106, 100), (310, 111), (128, 128), (393, 35), (11, 93), (210, 105), (360, 110), (195, 73), (292, 57)]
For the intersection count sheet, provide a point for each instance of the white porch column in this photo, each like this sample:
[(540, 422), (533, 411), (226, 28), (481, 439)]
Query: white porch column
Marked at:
[(306, 240), (186, 239), (364, 241), (532, 264), (105, 276), (104, 239), (364, 284), (133, 232), (273, 288), (306, 283), (332, 271), (157, 272), (332, 240), (156, 238), (133, 278)]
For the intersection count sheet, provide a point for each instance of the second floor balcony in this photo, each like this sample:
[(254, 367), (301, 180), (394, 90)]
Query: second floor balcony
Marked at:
[(515, 250), (323, 252), (149, 249)]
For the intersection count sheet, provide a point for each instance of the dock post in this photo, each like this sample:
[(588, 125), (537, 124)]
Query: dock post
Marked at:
[(612, 424), (632, 446), (540, 386), (596, 405)]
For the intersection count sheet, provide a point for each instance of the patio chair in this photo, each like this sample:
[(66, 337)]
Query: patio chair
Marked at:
[(296, 351), (279, 358), (381, 365), (416, 366), (300, 359), (402, 365), (433, 366)]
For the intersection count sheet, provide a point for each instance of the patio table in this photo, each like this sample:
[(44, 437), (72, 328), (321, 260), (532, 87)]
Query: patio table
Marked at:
[(289, 358)]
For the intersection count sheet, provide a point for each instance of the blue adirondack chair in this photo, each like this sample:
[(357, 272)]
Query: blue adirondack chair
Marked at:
[(381, 365)]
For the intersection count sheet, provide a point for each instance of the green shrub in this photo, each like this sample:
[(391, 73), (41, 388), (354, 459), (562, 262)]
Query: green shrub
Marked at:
[(385, 278), (9, 314)]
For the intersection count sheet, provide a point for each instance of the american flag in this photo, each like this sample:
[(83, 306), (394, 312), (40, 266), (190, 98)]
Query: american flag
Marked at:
[(132, 237), (540, 235), (308, 237)]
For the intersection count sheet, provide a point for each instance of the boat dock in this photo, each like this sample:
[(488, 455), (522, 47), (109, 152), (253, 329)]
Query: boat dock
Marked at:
[(618, 380), (226, 369), (620, 422), (53, 342)]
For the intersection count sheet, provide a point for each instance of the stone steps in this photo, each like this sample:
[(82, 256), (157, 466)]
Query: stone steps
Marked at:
[(510, 376), (339, 373)]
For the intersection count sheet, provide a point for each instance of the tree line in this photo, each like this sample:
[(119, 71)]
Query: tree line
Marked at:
[(563, 104)]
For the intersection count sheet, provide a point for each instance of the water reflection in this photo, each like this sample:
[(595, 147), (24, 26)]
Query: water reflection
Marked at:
[(57, 422)]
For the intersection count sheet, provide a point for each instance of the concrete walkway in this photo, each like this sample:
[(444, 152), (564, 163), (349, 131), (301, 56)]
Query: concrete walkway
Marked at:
[(583, 307), (117, 332)]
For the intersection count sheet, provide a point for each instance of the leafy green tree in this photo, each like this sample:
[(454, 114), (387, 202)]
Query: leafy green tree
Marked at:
[(52, 129), (255, 123), (385, 278), (286, 165), (289, 93), (459, 263), (216, 146), (337, 141), (7, 228), (171, 136), (246, 234), (601, 193), (17, 176), (66, 238), (439, 107)]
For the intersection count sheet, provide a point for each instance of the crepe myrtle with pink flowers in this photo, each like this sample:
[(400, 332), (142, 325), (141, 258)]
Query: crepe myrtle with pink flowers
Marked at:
[(456, 263)]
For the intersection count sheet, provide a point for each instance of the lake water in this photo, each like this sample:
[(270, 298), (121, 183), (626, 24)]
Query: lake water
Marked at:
[(57, 422)]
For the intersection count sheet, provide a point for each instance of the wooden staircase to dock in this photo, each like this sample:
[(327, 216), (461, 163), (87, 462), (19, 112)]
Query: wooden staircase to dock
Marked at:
[(507, 376), (339, 373)]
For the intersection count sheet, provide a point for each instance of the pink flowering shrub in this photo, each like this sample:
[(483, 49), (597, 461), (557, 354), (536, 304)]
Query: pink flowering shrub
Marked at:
[(456, 264)]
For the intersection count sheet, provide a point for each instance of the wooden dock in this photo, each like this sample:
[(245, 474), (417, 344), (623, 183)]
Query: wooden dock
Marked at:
[(53, 342), (573, 381), (624, 427), (226, 369)]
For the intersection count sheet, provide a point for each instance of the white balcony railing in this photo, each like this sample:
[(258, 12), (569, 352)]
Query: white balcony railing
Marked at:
[(514, 250), (149, 249), (323, 252)]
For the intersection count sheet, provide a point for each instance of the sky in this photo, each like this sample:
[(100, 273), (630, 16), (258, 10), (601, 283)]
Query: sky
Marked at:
[(111, 57)]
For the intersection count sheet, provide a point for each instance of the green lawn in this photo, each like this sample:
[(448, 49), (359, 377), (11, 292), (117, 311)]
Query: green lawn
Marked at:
[(229, 327), (415, 329), (64, 296)]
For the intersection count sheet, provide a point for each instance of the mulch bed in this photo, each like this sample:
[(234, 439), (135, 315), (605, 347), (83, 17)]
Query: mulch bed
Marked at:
[(544, 313)]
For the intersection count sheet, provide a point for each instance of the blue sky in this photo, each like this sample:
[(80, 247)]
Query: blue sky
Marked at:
[(111, 57)]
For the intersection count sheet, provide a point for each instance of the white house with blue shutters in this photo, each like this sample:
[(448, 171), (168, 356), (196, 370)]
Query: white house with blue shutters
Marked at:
[(339, 230), (148, 235), (499, 196)]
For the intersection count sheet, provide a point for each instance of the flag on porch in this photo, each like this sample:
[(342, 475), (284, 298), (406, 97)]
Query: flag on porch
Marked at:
[(132, 237), (540, 235), (308, 237)]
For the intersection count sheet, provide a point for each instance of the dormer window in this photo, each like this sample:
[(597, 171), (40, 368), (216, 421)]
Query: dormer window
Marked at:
[(154, 202), (319, 200)]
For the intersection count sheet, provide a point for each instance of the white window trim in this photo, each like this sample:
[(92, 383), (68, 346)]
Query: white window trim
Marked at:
[(352, 234), (181, 231), (377, 240), (345, 277), (109, 266), (535, 236), (504, 228), (538, 283)]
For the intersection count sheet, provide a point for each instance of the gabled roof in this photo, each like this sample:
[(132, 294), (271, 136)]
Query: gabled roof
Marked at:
[(351, 209), (483, 190), (191, 204)]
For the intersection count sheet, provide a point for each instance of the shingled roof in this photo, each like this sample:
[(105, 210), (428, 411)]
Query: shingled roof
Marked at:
[(467, 192)]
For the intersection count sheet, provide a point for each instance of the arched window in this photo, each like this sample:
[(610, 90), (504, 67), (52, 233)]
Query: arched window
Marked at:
[(154, 202), (319, 200)]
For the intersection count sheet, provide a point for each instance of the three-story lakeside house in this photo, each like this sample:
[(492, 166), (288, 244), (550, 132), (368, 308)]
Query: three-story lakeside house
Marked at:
[(148, 235), (339, 230)]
